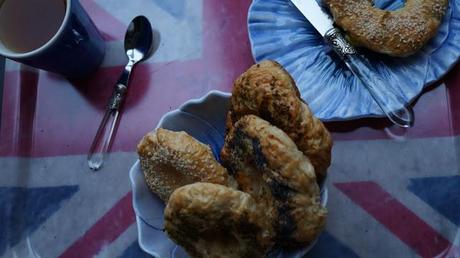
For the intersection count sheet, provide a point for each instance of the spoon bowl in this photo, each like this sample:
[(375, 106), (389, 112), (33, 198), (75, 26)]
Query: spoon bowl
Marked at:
[(139, 39), (139, 42)]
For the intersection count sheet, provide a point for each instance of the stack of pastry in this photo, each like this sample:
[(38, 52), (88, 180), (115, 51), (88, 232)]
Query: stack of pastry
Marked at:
[(266, 191)]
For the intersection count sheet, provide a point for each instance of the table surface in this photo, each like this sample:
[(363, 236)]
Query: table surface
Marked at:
[(392, 192)]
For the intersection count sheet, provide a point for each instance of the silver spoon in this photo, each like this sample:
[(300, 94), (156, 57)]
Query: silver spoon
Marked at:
[(138, 47)]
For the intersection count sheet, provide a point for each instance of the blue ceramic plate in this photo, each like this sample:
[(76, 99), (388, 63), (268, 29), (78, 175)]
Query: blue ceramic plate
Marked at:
[(203, 119), (278, 31)]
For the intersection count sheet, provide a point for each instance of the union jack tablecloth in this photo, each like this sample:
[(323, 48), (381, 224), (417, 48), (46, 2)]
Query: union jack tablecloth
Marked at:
[(392, 193)]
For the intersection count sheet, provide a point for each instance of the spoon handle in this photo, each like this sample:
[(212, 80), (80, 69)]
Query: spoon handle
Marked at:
[(102, 140)]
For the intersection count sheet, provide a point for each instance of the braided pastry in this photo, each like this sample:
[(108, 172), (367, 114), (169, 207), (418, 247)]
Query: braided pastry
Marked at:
[(211, 220), (267, 164), (268, 91)]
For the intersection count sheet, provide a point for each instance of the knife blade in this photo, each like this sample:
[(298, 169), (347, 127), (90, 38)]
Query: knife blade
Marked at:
[(311, 10), (391, 102)]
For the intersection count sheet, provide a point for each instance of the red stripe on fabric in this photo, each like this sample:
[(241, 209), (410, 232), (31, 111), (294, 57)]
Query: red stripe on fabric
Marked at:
[(397, 218), (451, 252), (17, 127), (67, 114), (9, 119), (433, 118), (104, 231), (453, 85), (109, 26)]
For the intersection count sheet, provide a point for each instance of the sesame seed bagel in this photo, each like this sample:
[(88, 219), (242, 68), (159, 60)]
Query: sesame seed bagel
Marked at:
[(170, 160), (397, 33)]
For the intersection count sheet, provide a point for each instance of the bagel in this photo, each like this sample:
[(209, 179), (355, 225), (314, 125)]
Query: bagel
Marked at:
[(268, 91), (267, 164), (172, 159), (396, 33), (210, 220)]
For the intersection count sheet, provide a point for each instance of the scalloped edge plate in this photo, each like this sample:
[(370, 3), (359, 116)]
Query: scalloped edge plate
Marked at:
[(278, 31), (208, 111)]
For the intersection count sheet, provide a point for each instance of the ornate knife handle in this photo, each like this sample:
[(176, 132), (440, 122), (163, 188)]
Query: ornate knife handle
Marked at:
[(340, 45), (392, 104)]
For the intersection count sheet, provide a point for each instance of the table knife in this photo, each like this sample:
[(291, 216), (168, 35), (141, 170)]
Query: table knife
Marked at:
[(391, 103)]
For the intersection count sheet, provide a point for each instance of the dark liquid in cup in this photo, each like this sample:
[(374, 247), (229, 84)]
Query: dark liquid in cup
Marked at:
[(26, 25)]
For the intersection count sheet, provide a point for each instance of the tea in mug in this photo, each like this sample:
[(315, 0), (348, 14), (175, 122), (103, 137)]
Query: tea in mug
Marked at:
[(26, 25)]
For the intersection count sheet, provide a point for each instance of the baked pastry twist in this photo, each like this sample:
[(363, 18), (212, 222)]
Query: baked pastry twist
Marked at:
[(211, 220), (396, 33), (268, 91), (267, 164), (172, 159)]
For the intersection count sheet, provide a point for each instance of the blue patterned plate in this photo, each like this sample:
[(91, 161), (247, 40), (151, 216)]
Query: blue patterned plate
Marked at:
[(203, 119), (278, 31)]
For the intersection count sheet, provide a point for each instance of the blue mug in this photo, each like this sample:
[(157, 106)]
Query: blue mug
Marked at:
[(75, 51)]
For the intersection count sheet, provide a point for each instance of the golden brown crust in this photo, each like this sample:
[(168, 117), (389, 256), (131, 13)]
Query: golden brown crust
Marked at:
[(267, 164), (315, 141), (268, 91), (397, 33), (172, 159), (211, 220)]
